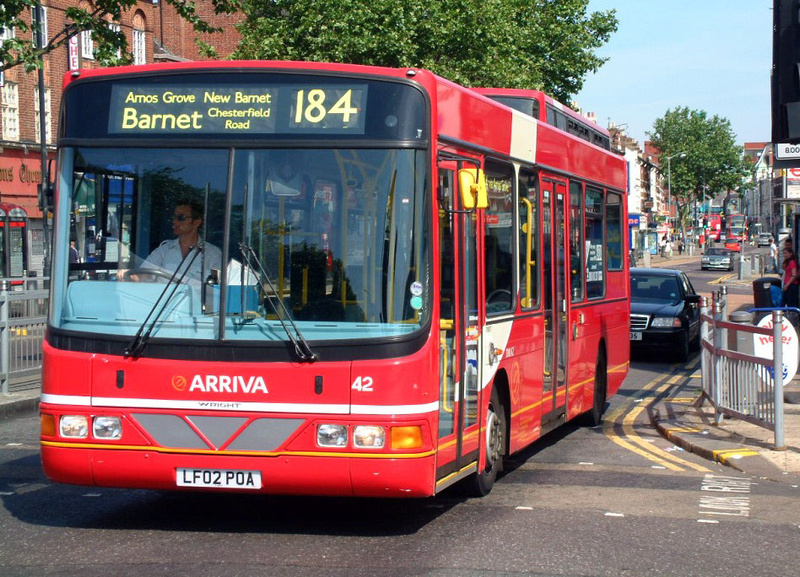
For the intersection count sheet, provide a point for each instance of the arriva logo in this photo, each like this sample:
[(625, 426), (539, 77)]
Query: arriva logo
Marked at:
[(224, 384)]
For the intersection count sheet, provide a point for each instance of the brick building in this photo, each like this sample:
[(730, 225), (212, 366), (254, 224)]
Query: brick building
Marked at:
[(155, 33)]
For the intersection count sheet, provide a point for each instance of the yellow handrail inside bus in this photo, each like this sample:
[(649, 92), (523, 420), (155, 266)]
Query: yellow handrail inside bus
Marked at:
[(528, 301)]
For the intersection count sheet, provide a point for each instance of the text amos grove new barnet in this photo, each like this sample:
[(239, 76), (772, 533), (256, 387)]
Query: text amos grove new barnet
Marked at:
[(132, 118)]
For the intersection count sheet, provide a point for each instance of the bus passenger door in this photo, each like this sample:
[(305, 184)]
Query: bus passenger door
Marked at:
[(459, 331), (554, 393)]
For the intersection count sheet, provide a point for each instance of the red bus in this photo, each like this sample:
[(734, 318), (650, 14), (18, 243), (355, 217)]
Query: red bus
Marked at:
[(714, 227), (418, 281), (543, 107)]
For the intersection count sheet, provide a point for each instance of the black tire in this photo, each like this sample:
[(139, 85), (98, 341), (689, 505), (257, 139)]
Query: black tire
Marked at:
[(594, 416), (496, 430), (694, 345), (682, 347)]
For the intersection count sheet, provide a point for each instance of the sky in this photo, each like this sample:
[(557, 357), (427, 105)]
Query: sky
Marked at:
[(712, 55)]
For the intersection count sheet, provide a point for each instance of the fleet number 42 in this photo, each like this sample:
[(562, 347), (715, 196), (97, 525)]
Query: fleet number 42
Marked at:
[(363, 384)]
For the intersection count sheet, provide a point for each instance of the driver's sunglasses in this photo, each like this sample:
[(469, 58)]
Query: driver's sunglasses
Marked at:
[(181, 217)]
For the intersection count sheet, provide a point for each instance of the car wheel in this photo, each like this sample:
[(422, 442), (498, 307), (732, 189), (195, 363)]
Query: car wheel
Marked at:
[(682, 348), (695, 345)]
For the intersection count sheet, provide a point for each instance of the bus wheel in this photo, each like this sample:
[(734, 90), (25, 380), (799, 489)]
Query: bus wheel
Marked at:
[(496, 429), (594, 416)]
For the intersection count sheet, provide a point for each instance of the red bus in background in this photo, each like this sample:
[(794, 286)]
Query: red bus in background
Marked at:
[(713, 227), (13, 242), (538, 105), (417, 281)]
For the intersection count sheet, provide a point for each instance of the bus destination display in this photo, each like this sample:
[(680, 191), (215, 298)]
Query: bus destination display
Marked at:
[(227, 110)]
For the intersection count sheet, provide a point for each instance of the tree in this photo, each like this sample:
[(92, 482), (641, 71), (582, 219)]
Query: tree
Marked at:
[(22, 48), (713, 162), (545, 44)]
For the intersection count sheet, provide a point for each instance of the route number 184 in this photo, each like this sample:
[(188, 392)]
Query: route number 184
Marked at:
[(310, 106)]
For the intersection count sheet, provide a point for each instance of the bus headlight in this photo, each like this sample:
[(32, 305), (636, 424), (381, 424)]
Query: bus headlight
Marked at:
[(107, 428), (74, 426), (332, 435), (369, 436)]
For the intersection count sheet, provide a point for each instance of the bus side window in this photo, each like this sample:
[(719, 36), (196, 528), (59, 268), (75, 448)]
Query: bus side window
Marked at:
[(528, 270), (498, 237), (577, 254)]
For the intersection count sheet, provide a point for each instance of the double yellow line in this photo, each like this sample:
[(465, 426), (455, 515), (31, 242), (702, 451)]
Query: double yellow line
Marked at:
[(625, 416)]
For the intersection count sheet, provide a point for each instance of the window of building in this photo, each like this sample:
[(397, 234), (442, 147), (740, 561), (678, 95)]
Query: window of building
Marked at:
[(36, 115), (10, 110), (45, 34), (139, 45), (87, 45), (114, 27), (7, 33)]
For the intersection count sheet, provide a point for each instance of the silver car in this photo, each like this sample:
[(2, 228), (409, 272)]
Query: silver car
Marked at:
[(763, 239), (717, 258)]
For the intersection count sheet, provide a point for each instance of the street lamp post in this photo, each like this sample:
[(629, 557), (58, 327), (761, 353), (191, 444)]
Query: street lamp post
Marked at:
[(669, 182)]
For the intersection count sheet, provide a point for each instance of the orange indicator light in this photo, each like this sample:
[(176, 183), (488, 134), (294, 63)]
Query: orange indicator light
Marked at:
[(407, 437)]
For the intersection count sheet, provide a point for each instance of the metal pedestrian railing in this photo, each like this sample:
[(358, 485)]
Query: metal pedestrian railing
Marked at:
[(737, 382), (23, 318)]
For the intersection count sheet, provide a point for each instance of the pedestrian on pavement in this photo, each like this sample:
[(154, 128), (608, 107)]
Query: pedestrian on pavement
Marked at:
[(668, 250), (662, 245), (791, 279), (773, 255)]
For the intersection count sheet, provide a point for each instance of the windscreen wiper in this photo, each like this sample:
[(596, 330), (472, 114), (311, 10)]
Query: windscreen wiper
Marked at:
[(301, 347), (139, 342)]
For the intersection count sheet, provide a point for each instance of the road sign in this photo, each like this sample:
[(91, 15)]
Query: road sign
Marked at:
[(787, 151)]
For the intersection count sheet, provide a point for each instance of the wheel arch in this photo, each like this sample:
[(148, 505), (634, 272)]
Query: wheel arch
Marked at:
[(500, 383)]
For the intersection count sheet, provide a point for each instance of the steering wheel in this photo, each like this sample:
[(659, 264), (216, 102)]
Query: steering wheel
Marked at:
[(154, 272), (496, 294)]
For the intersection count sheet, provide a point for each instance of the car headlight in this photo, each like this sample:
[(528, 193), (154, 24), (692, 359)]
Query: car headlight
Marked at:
[(665, 322)]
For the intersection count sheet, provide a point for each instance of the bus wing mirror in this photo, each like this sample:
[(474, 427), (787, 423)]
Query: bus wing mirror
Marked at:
[(472, 182)]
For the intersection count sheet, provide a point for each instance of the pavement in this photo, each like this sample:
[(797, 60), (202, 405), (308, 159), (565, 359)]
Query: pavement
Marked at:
[(689, 422), (681, 417)]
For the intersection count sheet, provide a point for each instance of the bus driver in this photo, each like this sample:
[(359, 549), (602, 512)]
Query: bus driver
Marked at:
[(187, 218)]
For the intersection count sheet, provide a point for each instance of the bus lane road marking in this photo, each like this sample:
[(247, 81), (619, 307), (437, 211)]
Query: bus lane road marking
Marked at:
[(624, 417), (722, 495)]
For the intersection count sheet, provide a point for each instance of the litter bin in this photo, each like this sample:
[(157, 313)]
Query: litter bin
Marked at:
[(761, 291), (740, 340)]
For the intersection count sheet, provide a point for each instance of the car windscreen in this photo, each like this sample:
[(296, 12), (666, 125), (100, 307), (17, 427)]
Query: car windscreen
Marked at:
[(717, 252), (653, 287)]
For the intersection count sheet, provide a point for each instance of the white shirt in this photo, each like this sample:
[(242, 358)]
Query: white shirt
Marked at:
[(167, 257)]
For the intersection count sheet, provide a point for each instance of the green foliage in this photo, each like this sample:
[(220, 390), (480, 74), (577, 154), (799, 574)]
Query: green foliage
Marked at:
[(713, 164), (545, 44), (23, 49)]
